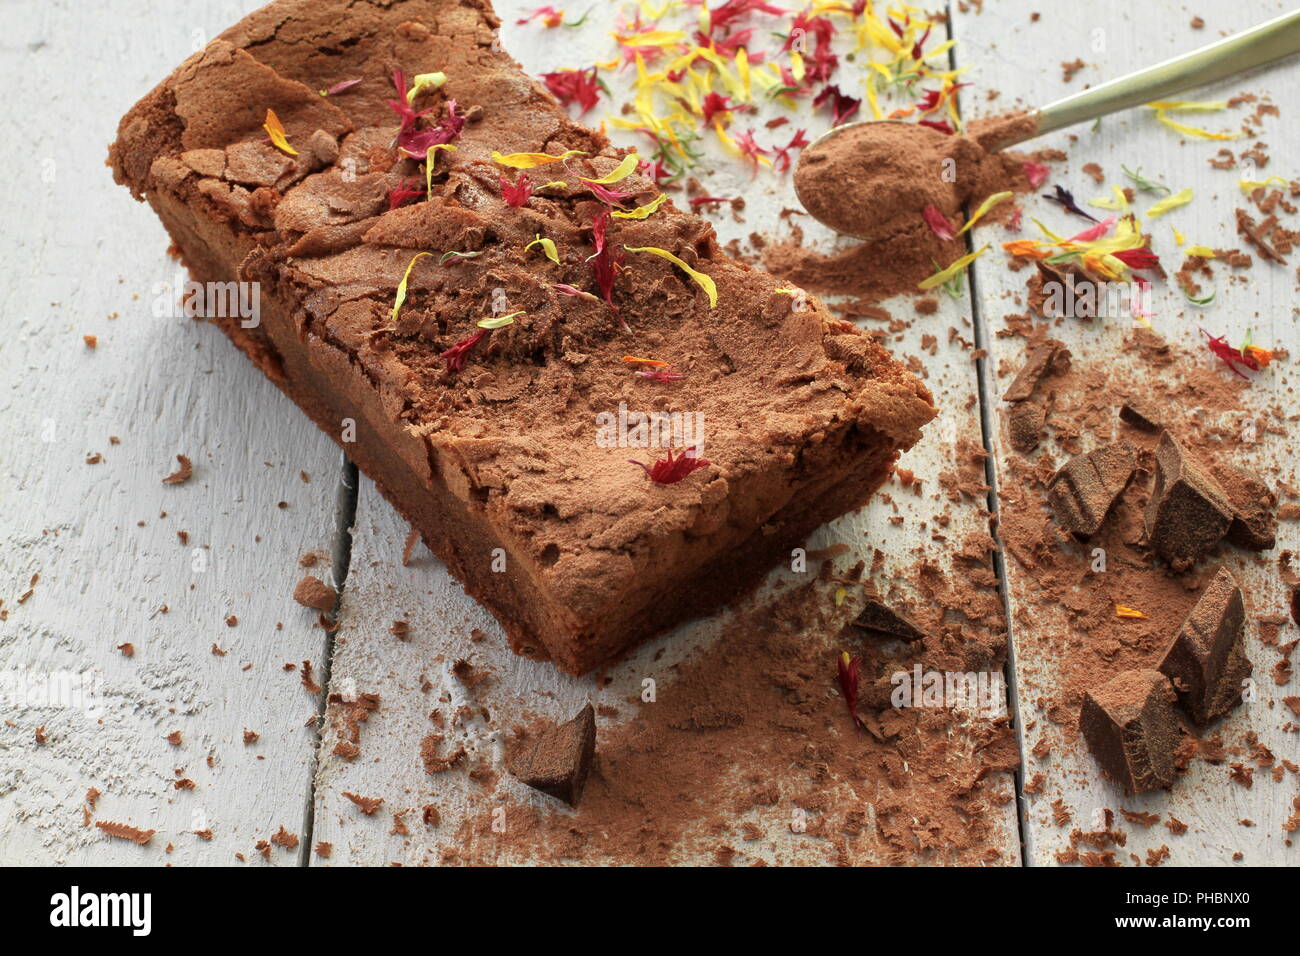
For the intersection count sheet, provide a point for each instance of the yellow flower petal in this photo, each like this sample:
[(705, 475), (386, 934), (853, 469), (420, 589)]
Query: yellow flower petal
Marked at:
[(1181, 198), (939, 278), (532, 160), (429, 158), (1248, 186), (275, 129), (622, 171), (1193, 131), (1192, 106), (422, 82), (548, 247), (985, 206), (401, 286), (641, 212), (703, 281), (498, 321)]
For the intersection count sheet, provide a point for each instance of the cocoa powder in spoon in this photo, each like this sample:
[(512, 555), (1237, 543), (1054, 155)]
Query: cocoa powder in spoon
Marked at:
[(876, 180)]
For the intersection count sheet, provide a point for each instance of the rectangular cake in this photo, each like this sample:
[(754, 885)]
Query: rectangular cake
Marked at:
[(491, 383)]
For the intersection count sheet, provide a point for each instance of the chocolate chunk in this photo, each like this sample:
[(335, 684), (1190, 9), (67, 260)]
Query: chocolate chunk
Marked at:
[(879, 619), (1254, 507), (1083, 491), (1025, 425), (1037, 363), (1295, 606), (1188, 513), (1132, 730), (1140, 417), (1207, 658), (559, 761)]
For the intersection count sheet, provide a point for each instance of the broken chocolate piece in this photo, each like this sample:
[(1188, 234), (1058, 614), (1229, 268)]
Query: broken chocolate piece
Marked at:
[(1254, 507), (1188, 513), (879, 619), (1067, 290), (1083, 491), (1025, 425), (1132, 730), (1207, 658), (558, 763), (1037, 363), (1140, 417)]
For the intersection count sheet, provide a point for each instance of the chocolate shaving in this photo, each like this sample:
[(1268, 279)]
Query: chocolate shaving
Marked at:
[(433, 763), (408, 548), (123, 831), (367, 805), (285, 839), (181, 474), (1257, 236), (1037, 363)]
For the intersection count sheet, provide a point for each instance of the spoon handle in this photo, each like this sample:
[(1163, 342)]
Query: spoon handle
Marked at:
[(1265, 43)]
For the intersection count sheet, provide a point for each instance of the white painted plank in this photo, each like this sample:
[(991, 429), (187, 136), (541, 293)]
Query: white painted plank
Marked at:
[(82, 258), (1006, 51), (379, 591)]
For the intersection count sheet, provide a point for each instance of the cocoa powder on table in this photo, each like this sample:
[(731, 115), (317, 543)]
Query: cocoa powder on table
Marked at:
[(752, 729)]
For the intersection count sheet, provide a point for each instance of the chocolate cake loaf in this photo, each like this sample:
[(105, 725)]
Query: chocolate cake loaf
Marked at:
[(489, 382)]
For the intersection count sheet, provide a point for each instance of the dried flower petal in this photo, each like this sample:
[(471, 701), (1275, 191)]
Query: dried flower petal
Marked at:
[(983, 209), (957, 268), (338, 88), (848, 673), (532, 160), (498, 321), (422, 82), (641, 212), (938, 222), (703, 281), (574, 86), (548, 247), (517, 193), (1036, 173), (401, 286), (275, 129), (1065, 199), (670, 470), (1181, 198), (456, 355)]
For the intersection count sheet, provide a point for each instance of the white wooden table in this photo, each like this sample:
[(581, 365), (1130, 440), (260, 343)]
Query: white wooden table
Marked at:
[(83, 259)]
